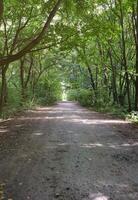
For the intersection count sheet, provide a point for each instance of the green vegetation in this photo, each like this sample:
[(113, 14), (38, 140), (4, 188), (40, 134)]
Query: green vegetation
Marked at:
[(86, 49)]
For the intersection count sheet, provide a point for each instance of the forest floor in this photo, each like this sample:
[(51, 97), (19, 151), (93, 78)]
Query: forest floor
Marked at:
[(67, 152)]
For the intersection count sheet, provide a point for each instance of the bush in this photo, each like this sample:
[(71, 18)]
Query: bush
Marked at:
[(72, 95), (83, 96), (133, 116)]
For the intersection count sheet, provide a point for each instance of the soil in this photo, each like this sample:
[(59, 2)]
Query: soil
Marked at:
[(67, 152)]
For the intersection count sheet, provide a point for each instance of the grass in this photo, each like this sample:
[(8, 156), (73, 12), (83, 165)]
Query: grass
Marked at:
[(13, 109), (10, 110), (119, 112)]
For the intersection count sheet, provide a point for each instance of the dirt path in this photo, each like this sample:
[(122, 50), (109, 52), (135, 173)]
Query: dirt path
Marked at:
[(66, 152)]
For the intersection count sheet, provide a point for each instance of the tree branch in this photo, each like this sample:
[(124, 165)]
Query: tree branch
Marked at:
[(34, 42), (1, 9)]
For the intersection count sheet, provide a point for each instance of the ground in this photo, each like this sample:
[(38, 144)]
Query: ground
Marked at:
[(67, 152)]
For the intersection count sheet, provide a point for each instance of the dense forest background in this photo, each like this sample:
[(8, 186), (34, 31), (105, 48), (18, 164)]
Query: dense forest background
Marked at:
[(84, 50)]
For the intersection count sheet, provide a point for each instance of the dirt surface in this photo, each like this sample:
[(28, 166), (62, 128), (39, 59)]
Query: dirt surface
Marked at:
[(67, 152)]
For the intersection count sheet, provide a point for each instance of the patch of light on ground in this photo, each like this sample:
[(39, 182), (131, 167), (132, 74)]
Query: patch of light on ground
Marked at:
[(98, 196), (97, 121), (38, 134), (3, 130)]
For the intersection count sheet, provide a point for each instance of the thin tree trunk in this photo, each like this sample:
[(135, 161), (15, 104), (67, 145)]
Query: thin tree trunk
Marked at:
[(22, 79), (124, 56), (136, 85), (1, 8), (115, 95), (3, 94), (91, 77)]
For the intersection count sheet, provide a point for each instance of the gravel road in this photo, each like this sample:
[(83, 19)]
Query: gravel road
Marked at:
[(67, 152)]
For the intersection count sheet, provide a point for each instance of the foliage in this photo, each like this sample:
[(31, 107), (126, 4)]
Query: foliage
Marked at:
[(84, 96), (133, 116), (88, 49)]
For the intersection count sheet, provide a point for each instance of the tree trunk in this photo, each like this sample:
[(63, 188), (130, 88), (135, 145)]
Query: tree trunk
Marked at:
[(3, 94), (22, 80), (115, 95), (136, 85), (124, 56), (1, 8), (91, 77)]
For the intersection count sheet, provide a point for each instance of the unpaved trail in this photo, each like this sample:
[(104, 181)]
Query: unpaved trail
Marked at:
[(67, 152)]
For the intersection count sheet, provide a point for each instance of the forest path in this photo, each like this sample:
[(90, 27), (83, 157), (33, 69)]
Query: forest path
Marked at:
[(67, 152)]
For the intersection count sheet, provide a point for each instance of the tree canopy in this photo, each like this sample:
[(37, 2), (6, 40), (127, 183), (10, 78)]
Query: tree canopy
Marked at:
[(85, 49)]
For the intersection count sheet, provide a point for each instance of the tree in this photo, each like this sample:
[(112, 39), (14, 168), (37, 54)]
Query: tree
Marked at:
[(10, 58), (1, 8)]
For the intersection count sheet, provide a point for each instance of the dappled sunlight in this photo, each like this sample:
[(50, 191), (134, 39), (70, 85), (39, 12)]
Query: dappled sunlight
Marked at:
[(87, 145), (18, 125), (37, 111), (130, 144), (37, 133), (108, 145), (115, 146), (57, 145), (3, 129), (63, 144), (90, 145), (30, 118), (61, 111), (98, 196), (5, 120), (68, 114), (56, 117), (74, 118), (43, 108), (40, 118), (98, 121)]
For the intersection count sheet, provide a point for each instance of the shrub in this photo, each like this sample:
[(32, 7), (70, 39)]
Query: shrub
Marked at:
[(83, 96)]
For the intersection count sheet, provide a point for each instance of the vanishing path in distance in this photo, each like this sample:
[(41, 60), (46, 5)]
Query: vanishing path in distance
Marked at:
[(67, 152)]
